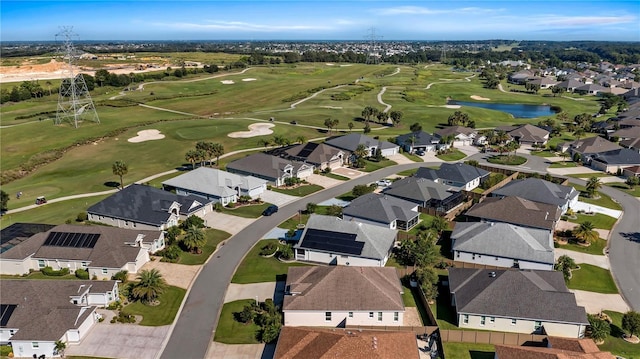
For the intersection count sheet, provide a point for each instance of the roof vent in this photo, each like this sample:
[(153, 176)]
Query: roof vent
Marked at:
[(492, 274)]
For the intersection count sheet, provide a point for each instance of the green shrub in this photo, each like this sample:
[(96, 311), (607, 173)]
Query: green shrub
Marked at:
[(171, 253), (124, 317), (48, 271), (269, 249), (115, 305), (121, 276), (82, 216), (82, 273), (286, 252)]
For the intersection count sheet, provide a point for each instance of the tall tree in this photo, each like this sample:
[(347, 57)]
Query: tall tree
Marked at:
[(579, 132), (194, 239), (593, 185), (328, 123), (149, 286), (396, 117), (217, 150), (192, 157), (586, 232), (4, 200), (416, 127), (206, 147), (119, 168), (59, 346), (631, 323), (300, 139), (350, 125)]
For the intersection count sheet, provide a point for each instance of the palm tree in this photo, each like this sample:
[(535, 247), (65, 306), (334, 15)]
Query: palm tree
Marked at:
[(59, 346), (119, 168), (217, 149), (593, 185), (206, 147), (264, 142), (350, 125), (367, 112), (396, 117), (361, 151), (48, 83), (586, 233), (194, 239), (149, 286), (329, 123), (301, 139), (502, 137), (579, 132), (192, 156), (439, 224)]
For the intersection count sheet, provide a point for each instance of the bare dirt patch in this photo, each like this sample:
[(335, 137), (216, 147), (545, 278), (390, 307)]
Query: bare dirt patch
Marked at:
[(146, 135), (256, 129), (479, 98)]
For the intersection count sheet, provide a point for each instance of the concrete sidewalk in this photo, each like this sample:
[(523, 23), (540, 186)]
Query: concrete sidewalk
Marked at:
[(579, 257)]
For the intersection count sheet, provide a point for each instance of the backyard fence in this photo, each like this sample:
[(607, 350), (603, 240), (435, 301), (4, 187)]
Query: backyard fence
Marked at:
[(486, 337)]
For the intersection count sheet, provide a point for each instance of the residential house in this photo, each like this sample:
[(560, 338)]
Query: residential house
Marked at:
[(529, 135), (418, 141), (520, 77), (382, 210), (570, 85), (631, 171), (37, 313), (544, 82), (426, 193), (331, 240), (518, 211), (517, 301), (633, 143), (271, 168), (101, 250), (316, 343), (628, 121), (351, 142), (539, 190), (458, 175), (627, 133), (557, 348), (17, 233), (144, 207), (502, 245), (615, 161), (591, 89), (320, 155), (632, 93), (216, 185), (340, 296), (587, 148), (462, 136), (604, 127)]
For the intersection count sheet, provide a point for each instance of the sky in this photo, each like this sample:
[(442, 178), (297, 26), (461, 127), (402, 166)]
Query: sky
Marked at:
[(131, 20)]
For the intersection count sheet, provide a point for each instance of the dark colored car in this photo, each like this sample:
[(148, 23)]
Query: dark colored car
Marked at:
[(270, 210)]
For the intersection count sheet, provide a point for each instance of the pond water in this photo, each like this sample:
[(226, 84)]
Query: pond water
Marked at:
[(517, 110)]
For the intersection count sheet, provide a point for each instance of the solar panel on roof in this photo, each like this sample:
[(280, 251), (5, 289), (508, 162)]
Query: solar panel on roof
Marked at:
[(330, 241), (75, 240), (307, 150), (5, 313)]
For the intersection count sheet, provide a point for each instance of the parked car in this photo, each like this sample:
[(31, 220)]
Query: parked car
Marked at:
[(384, 183), (270, 210), (294, 122), (41, 200), (420, 153)]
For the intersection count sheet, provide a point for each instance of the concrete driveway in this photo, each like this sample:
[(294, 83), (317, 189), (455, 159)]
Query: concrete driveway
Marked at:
[(226, 222), (277, 198), (323, 181), (579, 257), (348, 172), (399, 159), (178, 275), (124, 341), (597, 302), (273, 290), (235, 351)]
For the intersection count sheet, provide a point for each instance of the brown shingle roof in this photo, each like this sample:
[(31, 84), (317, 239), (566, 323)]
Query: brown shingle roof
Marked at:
[(516, 210), (307, 343), (560, 348), (591, 145), (343, 288)]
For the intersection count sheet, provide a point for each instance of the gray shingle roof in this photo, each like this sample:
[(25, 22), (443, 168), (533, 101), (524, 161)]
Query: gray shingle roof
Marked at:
[(144, 204), (343, 288), (421, 138), (593, 145), (380, 208), (214, 182), (456, 172), (516, 210), (504, 240), (529, 133), (377, 241), (351, 141), (538, 190), (264, 166), (419, 189), (527, 294), (314, 153), (455, 130), (623, 156), (44, 311)]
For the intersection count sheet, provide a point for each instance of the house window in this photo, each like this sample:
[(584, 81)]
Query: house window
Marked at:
[(483, 320), (35, 345), (492, 320), (465, 319), (40, 263), (514, 321), (538, 325), (85, 264), (11, 332), (379, 316), (370, 315), (350, 314), (396, 316), (75, 301), (327, 316), (104, 271)]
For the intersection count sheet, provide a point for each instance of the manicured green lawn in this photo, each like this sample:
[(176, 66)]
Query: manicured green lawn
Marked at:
[(603, 200), (408, 173), (82, 357), (468, 350), (336, 177), (614, 343), (231, 331), (374, 166), (588, 175), (592, 279), (454, 155), (635, 192), (598, 220), (412, 157), (256, 269), (563, 164), (507, 160), (162, 314), (407, 296), (38, 275), (300, 191), (214, 237), (251, 211), (545, 153), (595, 248)]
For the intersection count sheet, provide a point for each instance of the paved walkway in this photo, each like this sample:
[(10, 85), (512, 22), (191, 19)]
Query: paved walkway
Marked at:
[(598, 209), (348, 172), (597, 302), (579, 257), (235, 351)]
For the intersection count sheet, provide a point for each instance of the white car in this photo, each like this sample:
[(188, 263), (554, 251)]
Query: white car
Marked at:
[(384, 183)]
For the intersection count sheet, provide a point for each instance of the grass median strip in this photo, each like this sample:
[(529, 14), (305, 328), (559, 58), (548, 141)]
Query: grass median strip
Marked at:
[(161, 314)]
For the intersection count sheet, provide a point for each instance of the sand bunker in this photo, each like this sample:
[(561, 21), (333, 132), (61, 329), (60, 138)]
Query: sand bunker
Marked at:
[(227, 82), (332, 107), (256, 129), (330, 64), (479, 98), (451, 106), (249, 79), (346, 65), (147, 135)]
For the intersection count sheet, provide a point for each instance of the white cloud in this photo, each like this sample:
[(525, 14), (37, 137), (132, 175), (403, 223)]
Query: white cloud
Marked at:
[(239, 26), (419, 10), (573, 21)]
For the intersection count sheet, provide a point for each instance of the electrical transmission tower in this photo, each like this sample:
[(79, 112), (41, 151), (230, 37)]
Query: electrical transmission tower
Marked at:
[(74, 101), (443, 54), (372, 56)]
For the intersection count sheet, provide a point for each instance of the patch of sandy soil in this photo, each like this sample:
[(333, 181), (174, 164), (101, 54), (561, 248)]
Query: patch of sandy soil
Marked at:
[(332, 107), (147, 135), (479, 98), (346, 65), (249, 79), (227, 82), (256, 129), (330, 64), (451, 106)]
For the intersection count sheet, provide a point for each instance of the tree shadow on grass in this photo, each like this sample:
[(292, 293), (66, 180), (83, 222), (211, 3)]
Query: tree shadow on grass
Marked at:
[(112, 184)]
